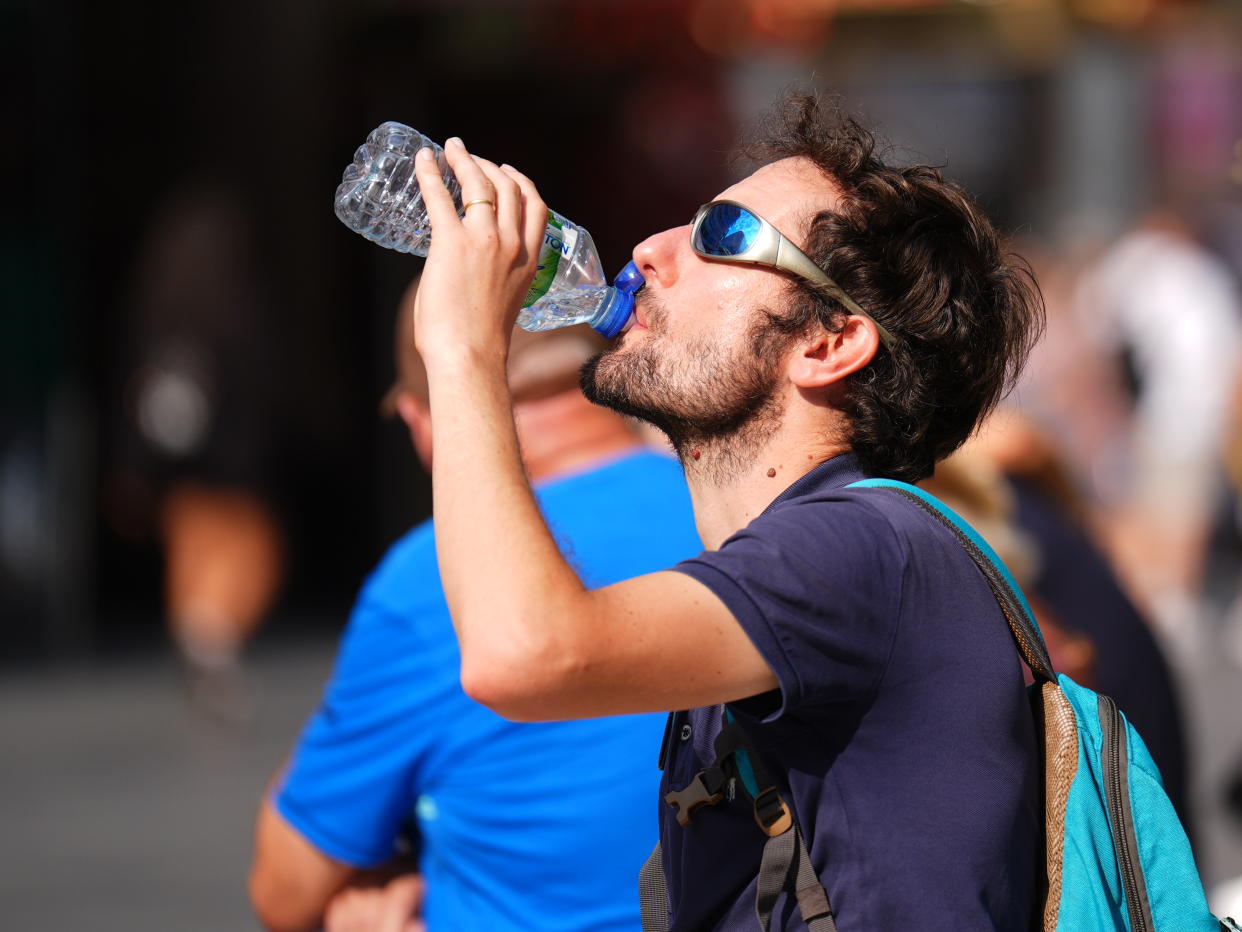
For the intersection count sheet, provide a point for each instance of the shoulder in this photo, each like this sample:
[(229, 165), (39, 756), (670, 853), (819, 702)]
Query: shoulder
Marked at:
[(856, 523), (404, 588), (815, 554), (408, 562), (877, 513), (399, 642), (865, 546), (821, 583)]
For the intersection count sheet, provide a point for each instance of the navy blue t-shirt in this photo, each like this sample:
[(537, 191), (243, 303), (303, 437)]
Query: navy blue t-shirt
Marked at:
[(900, 735)]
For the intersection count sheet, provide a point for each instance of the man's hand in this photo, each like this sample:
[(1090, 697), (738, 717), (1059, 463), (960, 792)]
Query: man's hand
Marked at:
[(391, 908), (480, 266)]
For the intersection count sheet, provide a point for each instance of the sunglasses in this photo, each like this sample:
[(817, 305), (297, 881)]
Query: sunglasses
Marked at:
[(725, 231)]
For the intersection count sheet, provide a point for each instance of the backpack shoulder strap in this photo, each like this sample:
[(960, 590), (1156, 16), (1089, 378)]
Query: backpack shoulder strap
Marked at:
[(785, 863), (653, 893), (783, 856), (1017, 611)]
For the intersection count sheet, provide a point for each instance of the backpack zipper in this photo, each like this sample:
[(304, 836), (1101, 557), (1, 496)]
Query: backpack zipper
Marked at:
[(1114, 763)]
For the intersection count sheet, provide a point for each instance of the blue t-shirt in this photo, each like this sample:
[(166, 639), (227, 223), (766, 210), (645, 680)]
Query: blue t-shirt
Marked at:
[(523, 826), (900, 735)]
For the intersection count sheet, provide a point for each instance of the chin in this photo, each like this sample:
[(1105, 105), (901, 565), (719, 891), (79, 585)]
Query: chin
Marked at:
[(602, 379)]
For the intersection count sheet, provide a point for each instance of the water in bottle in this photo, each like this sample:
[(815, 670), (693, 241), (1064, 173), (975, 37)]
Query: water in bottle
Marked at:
[(379, 197)]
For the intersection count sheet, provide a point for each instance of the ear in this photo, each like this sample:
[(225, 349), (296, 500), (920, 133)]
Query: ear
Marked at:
[(825, 358), (417, 416)]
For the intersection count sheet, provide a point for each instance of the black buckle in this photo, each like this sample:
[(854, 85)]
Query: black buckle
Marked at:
[(771, 814), (695, 795)]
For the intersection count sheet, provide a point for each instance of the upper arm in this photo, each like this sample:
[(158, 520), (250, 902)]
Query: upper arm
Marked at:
[(806, 600), (291, 881), (361, 758), (657, 642)]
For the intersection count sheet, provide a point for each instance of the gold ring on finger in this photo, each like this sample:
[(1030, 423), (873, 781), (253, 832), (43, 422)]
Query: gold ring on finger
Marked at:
[(479, 200)]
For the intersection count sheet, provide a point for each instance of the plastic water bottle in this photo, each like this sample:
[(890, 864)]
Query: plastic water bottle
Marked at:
[(379, 197)]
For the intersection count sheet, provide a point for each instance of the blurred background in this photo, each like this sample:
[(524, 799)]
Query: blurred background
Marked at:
[(194, 477)]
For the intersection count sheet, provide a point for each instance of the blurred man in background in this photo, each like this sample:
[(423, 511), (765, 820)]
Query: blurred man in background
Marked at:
[(520, 826)]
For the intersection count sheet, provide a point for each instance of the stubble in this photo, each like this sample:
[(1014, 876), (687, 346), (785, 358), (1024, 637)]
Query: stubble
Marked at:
[(716, 400)]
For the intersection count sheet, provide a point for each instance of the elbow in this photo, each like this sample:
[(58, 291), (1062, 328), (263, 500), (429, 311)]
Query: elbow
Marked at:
[(291, 882), (501, 689), (279, 904), (533, 683)]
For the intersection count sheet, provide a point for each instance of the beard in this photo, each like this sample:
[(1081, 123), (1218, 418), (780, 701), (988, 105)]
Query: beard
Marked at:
[(718, 397)]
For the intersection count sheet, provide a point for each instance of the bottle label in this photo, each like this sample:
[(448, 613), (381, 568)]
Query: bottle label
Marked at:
[(560, 237)]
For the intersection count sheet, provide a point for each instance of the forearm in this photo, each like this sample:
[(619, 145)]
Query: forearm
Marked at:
[(518, 608)]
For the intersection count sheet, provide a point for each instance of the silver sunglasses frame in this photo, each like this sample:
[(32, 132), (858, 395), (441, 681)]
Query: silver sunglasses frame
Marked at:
[(773, 249)]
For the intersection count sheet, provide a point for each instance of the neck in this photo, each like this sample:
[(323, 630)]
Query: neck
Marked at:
[(726, 500), (565, 431)]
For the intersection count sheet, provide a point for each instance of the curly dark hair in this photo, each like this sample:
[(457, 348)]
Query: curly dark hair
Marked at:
[(919, 256)]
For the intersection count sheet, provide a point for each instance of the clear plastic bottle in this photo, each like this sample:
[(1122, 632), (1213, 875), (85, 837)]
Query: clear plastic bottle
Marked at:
[(379, 197)]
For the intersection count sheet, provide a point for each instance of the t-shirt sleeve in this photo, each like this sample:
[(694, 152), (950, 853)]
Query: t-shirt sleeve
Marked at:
[(349, 784), (817, 588)]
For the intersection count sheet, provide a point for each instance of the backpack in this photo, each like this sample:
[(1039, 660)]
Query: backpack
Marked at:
[(1116, 856)]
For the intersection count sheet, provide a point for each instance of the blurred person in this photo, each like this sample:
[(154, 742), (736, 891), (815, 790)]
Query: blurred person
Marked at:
[(1233, 470), (530, 826), (842, 633), (1074, 590), (1072, 387), (1226, 897), (1167, 307), (195, 458)]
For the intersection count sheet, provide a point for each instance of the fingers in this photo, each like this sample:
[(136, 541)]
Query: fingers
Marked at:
[(401, 899), (354, 910), (475, 185), (535, 217), (391, 908), (479, 268), (509, 200), (515, 204)]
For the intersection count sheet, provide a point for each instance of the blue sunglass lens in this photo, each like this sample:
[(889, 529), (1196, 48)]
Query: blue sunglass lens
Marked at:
[(726, 230)]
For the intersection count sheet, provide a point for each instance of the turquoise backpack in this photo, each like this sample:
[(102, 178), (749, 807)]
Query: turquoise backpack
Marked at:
[(1117, 857)]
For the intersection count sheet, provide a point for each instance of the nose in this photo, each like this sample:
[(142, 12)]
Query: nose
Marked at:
[(658, 257)]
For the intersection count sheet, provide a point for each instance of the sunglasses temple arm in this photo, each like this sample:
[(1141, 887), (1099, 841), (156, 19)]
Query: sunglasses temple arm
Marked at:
[(798, 262), (885, 337)]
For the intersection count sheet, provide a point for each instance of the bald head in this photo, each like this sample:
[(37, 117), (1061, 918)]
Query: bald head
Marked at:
[(540, 364), (558, 429)]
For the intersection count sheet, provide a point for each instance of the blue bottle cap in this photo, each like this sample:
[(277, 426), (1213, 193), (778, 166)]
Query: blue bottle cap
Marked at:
[(613, 315), (629, 279), (618, 307)]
